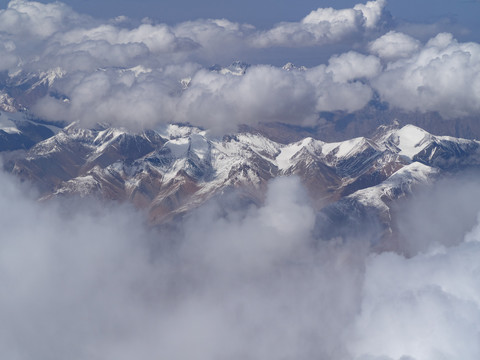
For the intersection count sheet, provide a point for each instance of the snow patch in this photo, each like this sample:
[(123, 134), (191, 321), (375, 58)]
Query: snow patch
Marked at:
[(286, 158), (174, 131), (105, 137), (411, 140), (178, 147), (199, 146), (343, 149)]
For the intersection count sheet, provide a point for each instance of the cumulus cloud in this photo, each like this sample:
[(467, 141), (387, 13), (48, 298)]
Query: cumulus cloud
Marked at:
[(394, 45), (58, 28), (27, 19), (372, 12), (338, 95), (264, 93), (121, 74), (158, 38), (443, 76), (322, 26), (352, 65), (141, 98), (91, 280)]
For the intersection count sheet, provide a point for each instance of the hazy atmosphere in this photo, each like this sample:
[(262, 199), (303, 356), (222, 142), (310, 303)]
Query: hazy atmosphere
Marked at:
[(82, 277)]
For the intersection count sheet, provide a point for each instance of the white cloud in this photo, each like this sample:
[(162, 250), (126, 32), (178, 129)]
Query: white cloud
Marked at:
[(352, 65), (342, 94), (323, 26), (219, 39), (426, 307), (257, 240), (372, 12), (264, 93), (394, 45), (89, 54), (248, 283), (92, 281), (115, 97), (158, 38), (219, 102), (33, 19), (443, 76), (60, 30), (8, 59)]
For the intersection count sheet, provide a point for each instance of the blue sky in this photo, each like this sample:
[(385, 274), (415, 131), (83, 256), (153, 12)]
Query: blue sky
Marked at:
[(264, 13)]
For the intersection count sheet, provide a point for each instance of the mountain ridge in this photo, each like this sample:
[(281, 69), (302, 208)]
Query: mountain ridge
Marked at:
[(173, 170)]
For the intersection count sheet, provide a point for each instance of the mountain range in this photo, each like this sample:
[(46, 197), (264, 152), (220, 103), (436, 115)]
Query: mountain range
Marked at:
[(354, 166), (172, 170)]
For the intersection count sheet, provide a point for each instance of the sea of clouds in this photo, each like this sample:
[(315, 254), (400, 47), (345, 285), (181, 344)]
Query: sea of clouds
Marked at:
[(91, 281)]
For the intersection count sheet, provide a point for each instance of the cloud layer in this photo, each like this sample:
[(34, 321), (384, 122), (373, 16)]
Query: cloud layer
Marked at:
[(145, 97), (142, 75), (58, 27), (82, 280), (132, 75)]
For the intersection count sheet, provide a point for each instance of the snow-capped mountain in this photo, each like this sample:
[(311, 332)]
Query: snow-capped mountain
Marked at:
[(172, 170)]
